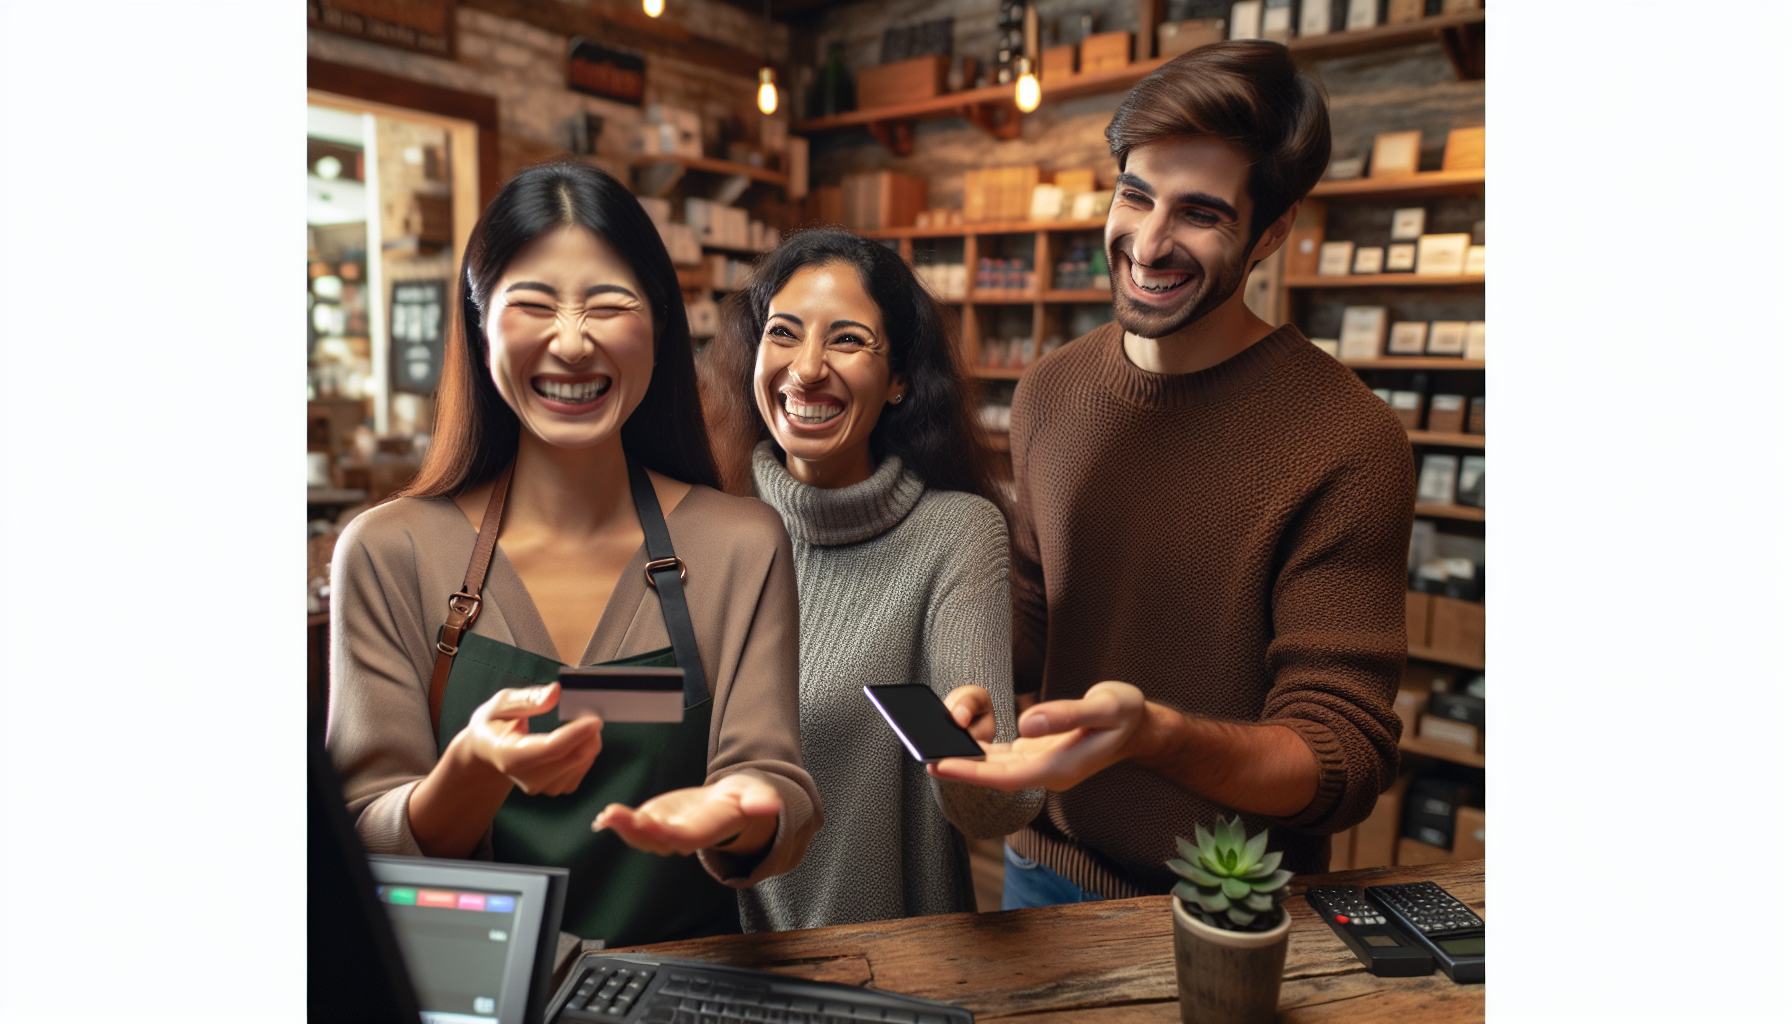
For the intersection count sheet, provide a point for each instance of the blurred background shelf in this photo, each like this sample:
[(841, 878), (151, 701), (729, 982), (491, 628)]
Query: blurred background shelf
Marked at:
[(1465, 512), (1386, 281)]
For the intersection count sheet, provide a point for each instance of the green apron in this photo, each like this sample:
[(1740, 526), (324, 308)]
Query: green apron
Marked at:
[(615, 893)]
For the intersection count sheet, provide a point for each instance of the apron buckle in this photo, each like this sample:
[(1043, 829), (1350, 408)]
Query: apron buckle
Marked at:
[(466, 605), (663, 563)]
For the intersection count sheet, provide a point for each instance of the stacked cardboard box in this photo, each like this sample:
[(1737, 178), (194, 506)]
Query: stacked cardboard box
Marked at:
[(903, 81), (998, 193), (825, 205), (881, 199)]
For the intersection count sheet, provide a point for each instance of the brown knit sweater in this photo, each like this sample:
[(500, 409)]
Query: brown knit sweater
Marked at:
[(1231, 541)]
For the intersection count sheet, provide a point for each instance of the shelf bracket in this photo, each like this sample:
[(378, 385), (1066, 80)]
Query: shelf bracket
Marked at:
[(1466, 46), (731, 189), (1000, 120), (897, 136), (657, 179)]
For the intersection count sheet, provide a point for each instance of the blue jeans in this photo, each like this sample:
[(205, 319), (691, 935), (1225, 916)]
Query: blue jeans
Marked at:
[(1028, 883)]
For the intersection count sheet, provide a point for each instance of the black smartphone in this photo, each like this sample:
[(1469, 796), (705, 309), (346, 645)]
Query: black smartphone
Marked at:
[(622, 694), (920, 720)]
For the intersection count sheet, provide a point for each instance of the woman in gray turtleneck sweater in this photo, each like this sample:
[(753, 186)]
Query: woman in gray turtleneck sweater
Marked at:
[(868, 451)]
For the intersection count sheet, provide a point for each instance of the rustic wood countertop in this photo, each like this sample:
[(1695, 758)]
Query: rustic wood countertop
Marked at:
[(1104, 963)]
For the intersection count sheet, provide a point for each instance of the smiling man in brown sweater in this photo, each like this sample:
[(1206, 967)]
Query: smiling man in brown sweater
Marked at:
[(1211, 520)]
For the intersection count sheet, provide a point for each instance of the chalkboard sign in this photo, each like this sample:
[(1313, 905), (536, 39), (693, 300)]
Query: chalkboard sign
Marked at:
[(601, 71), (419, 316)]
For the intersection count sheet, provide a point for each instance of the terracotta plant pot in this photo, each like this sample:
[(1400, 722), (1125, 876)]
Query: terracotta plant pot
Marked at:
[(1227, 977)]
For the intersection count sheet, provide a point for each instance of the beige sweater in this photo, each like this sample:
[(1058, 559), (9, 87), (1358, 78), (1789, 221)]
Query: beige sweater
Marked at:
[(394, 569)]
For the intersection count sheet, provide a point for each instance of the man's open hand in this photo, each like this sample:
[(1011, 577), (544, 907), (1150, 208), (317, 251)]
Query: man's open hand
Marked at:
[(1062, 742)]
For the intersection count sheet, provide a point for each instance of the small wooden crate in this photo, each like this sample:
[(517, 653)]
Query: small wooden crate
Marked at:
[(904, 81), (1057, 63), (1105, 51), (1466, 149), (1174, 37)]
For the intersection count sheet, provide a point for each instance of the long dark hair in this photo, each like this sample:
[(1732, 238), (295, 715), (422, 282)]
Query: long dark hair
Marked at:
[(476, 433), (933, 430)]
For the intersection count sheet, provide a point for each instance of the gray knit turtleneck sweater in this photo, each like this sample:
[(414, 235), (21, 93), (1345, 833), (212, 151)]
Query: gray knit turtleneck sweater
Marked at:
[(896, 584)]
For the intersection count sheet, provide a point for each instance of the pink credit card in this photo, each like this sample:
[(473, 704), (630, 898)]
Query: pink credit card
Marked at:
[(622, 694)]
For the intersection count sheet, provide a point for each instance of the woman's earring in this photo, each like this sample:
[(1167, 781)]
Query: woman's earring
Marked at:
[(897, 400)]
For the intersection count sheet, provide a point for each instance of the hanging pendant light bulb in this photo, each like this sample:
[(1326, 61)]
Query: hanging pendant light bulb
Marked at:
[(654, 8), (1026, 87), (768, 91)]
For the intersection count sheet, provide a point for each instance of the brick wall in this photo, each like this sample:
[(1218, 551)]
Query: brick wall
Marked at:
[(525, 68)]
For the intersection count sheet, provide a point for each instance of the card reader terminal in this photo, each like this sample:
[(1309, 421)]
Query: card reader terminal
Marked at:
[(1455, 935), (1382, 947)]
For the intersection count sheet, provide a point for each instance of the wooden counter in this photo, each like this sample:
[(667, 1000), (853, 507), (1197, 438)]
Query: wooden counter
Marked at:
[(1103, 963)]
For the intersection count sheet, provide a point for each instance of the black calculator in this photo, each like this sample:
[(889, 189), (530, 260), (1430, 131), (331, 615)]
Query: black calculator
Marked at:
[(1381, 945), (1455, 935)]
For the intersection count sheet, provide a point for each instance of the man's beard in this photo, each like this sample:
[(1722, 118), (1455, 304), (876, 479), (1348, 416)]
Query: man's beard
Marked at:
[(1209, 290)]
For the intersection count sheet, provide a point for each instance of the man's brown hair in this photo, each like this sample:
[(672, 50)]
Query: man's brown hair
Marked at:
[(1249, 93)]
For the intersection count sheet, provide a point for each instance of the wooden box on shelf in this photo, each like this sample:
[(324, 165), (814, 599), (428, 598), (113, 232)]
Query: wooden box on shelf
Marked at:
[(1458, 630), (1466, 149), (873, 200), (1418, 619), (330, 423), (1174, 37), (1372, 846), (904, 81), (998, 193), (1471, 834), (1057, 63), (1402, 11), (1105, 51), (1411, 852), (1409, 704), (1438, 729), (1304, 240)]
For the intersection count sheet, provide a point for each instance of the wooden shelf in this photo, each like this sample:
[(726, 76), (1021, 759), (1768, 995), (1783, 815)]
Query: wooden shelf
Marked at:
[(1445, 658), (1412, 186), (713, 166), (334, 495), (1387, 281), (1453, 752), (1447, 440), (729, 250), (948, 105), (977, 105), (986, 228), (1344, 44), (1415, 363), (1094, 83), (1468, 512), (1002, 297), (1101, 295), (998, 439), (996, 373)]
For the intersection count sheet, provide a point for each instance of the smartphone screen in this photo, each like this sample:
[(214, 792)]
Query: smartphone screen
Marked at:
[(922, 723)]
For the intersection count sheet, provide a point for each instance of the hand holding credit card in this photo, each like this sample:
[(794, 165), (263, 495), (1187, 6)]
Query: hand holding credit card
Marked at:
[(622, 694)]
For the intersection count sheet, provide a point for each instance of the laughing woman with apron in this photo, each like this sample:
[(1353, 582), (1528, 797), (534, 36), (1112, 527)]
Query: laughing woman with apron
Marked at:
[(567, 514)]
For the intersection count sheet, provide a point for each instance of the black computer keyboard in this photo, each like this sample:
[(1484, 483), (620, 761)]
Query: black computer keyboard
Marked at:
[(649, 990)]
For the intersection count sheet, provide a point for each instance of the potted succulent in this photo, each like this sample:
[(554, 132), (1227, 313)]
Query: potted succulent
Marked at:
[(1231, 930)]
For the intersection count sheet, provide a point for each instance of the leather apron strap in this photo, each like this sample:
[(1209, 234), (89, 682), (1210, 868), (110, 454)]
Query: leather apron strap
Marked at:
[(463, 607), (665, 573)]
